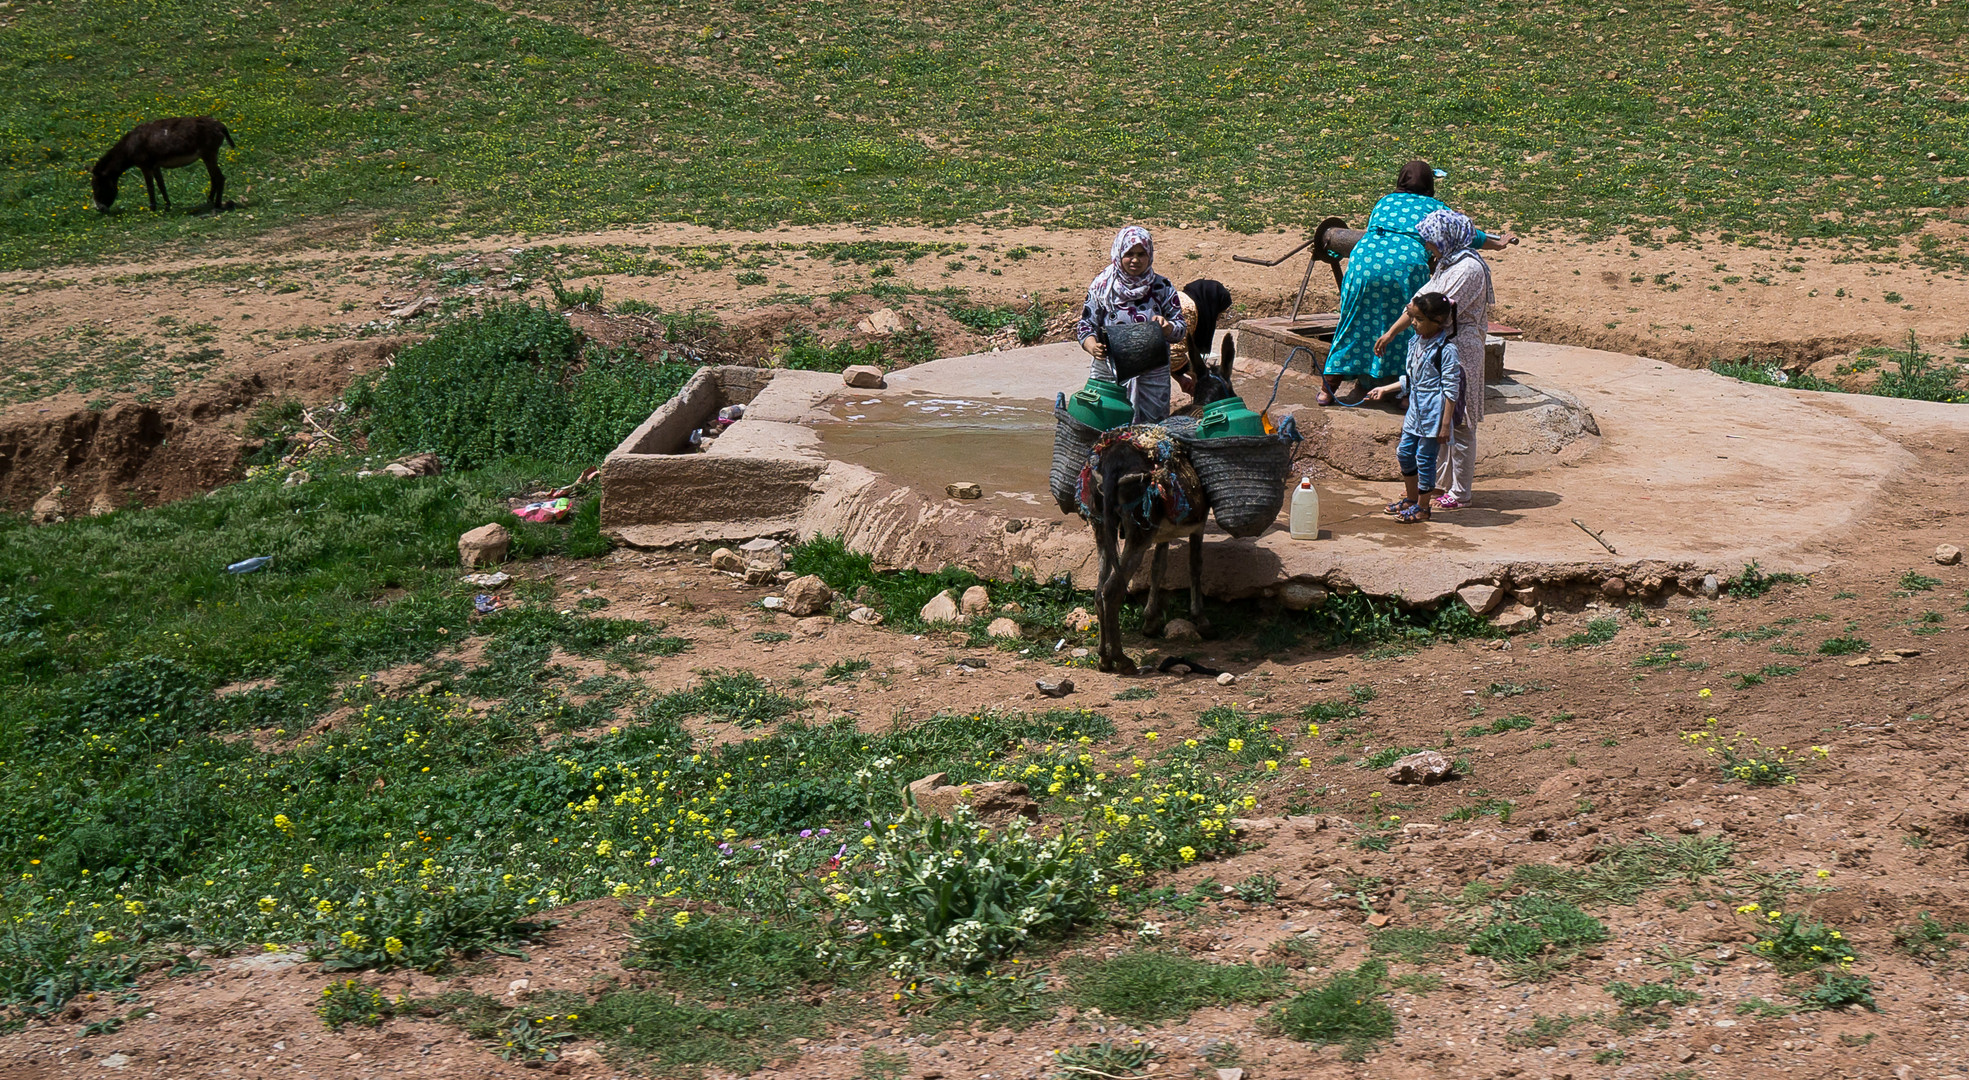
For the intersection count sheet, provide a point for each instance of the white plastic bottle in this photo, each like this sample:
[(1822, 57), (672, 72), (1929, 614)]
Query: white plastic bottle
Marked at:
[(1305, 510)]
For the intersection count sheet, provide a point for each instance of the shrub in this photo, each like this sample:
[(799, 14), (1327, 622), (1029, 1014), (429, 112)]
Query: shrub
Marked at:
[(1752, 582), (1346, 1008), (1148, 986), (1648, 995), (1837, 989), (352, 1002), (1792, 944), (951, 894), (515, 381)]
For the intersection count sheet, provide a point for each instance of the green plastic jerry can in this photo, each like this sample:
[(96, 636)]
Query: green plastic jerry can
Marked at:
[(1101, 405), (1229, 418)]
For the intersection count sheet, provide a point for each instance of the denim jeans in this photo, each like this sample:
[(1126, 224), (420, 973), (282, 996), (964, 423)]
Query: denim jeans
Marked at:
[(1417, 456)]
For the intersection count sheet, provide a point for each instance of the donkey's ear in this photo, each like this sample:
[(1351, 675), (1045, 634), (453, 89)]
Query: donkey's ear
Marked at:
[(1229, 356)]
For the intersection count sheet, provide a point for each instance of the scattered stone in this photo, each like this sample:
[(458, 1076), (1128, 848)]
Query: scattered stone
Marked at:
[(864, 377), (115, 1061), (1004, 628), (1230, 1074), (1904, 652), (1516, 617), (415, 308), (1710, 584), (758, 573), (1615, 586), (865, 615), (976, 602), (773, 603), (964, 489), (808, 596), (783, 577), (1685, 1055), (1480, 598), (1054, 690), (994, 800), (765, 550), (1082, 654), (974, 662), (815, 626), (1528, 596), (1377, 920), (494, 580), (1181, 630), (415, 465), (1011, 607), (297, 478), (727, 560), (1427, 767), (517, 985), (50, 508), (1226, 679), (1948, 554), (1080, 620), (1860, 661), (101, 504), (941, 608), (884, 321), (1301, 595), (484, 545), (867, 597)]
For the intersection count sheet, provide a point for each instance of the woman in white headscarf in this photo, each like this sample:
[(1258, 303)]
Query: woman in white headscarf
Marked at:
[(1130, 291), (1462, 275)]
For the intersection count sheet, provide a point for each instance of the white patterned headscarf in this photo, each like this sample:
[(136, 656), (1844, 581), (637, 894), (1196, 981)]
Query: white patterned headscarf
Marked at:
[(1451, 235), (1129, 299)]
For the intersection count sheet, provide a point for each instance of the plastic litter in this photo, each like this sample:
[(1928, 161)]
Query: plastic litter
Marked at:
[(486, 603), (247, 566), (548, 511)]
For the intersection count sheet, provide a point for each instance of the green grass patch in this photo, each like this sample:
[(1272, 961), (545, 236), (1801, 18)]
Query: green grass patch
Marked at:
[(1597, 632), (1345, 1008), (569, 118), (1145, 986)]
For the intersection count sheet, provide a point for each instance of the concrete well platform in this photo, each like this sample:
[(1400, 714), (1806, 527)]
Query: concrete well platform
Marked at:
[(1684, 472)]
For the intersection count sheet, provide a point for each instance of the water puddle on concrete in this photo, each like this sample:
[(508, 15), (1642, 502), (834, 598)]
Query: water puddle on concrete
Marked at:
[(925, 442)]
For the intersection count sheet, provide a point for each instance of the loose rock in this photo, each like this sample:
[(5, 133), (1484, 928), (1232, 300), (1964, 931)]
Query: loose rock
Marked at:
[(1948, 554), (297, 478), (1710, 584), (867, 616), (415, 465), (976, 602), (808, 596), (764, 550), (494, 580), (1615, 586), (1080, 620), (864, 377), (1516, 617), (484, 545), (50, 508), (1301, 595), (1480, 598), (727, 560), (1427, 767), (1054, 690), (758, 573), (941, 608), (996, 800), (1004, 628), (1181, 630), (882, 321), (1226, 679), (815, 626), (964, 489)]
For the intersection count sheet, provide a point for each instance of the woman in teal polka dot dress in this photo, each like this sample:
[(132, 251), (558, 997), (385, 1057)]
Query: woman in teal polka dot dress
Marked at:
[(1386, 268)]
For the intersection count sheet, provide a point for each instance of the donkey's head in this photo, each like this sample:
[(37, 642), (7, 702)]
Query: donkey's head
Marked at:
[(1215, 385), (102, 183)]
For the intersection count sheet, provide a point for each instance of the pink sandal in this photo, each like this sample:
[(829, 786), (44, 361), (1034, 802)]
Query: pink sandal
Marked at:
[(1447, 501)]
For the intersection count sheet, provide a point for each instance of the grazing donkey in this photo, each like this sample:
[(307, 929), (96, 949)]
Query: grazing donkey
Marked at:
[(163, 144), (1138, 490)]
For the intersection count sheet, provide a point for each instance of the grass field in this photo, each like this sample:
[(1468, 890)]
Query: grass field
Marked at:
[(448, 118)]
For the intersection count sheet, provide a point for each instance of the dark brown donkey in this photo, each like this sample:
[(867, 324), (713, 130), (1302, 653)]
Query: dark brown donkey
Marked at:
[(159, 145)]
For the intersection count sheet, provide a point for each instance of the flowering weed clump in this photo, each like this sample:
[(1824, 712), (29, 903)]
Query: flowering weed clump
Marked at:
[(1793, 944), (1748, 759)]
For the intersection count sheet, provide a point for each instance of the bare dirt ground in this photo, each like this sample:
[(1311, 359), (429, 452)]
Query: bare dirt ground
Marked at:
[(1875, 834), (134, 381)]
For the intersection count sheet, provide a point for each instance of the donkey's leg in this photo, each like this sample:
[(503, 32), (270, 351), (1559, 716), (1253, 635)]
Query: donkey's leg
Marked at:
[(1154, 619), (149, 189), (1114, 593), (217, 195), (1196, 583)]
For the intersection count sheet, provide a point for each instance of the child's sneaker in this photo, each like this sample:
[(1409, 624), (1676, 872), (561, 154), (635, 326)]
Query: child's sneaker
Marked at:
[(1447, 501)]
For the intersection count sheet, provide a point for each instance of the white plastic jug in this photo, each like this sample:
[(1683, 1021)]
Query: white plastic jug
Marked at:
[(1305, 510)]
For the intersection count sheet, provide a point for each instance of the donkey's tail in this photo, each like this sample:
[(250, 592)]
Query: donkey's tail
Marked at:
[(227, 132)]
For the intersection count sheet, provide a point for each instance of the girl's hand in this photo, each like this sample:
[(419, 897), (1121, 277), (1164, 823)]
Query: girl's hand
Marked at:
[(1500, 241), (1379, 392), (1381, 343), (1168, 328), (1094, 348)]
